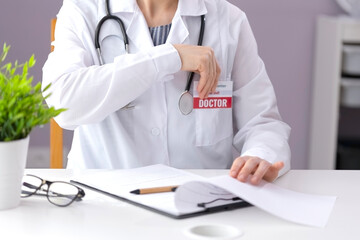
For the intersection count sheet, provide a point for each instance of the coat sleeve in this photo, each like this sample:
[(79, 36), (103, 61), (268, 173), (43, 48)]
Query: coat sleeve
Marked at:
[(91, 92), (259, 129)]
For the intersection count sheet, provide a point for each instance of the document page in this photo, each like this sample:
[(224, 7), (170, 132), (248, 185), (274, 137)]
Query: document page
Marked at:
[(122, 182), (197, 194), (307, 209)]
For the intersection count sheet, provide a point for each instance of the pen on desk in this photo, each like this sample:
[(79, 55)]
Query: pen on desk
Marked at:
[(155, 190)]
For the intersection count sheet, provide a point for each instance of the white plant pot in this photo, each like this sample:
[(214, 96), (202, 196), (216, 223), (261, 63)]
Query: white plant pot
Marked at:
[(12, 164)]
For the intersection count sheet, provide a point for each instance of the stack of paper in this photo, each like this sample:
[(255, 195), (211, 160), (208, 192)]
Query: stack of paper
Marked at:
[(197, 194)]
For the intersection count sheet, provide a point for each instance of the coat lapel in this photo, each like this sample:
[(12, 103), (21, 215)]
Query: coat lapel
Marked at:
[(179, 33), (138, 32), (136, 27)]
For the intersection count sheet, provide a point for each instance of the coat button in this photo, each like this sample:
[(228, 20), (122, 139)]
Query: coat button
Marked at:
[(155, 131)]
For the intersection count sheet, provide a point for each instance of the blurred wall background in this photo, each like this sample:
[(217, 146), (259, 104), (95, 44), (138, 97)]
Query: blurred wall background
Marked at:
[(284, 29)]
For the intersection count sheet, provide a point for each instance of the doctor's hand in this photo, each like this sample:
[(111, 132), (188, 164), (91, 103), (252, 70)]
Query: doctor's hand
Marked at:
[(259, 168), (201, 60)]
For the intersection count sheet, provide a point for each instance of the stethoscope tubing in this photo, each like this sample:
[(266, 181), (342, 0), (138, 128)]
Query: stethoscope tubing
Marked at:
[(109, 16), (122, 27), (200, 41)]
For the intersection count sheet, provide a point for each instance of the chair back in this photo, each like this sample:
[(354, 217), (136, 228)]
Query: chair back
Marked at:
[(56, 132)]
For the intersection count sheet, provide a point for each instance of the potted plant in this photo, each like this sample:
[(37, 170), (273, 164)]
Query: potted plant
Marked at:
[(22, 108)]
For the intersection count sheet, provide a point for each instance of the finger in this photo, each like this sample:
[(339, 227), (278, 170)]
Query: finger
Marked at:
[(260, 172), (236, 166), (214, 74), (208, 86), (203, 68), (273, 171), (208, 61), (218, 71), (250, 166), (202, 82), (278, 165), (204, 78)]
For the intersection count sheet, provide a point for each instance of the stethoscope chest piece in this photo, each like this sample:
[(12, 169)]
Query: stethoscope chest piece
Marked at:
[(186, 102)]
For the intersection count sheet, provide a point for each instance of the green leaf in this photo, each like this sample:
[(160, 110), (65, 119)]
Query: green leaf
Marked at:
[(18, 116), (11, 103), (32, 61), (47, 87), (25, 69), (7, 67), (37, 88), (4, 53), (21, 104)]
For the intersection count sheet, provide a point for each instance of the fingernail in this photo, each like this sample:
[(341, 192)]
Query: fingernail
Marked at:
[(242, 178), (255, 180), (233, 173)]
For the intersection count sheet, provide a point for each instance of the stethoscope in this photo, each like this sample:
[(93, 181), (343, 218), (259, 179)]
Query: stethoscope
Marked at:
[(109, 16), (186, 98)]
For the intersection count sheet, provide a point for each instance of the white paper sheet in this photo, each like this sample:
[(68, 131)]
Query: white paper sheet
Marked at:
[(121, 182), (308, 209)]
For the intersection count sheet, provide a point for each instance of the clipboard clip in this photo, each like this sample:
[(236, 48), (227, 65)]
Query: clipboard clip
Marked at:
[(203, 205)]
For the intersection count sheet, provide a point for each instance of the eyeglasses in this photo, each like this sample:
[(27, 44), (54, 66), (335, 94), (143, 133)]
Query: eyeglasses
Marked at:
[(59, 193)]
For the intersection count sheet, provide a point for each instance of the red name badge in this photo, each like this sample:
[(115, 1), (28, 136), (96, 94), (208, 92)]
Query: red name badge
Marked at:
[(213, 102), (222, 98)]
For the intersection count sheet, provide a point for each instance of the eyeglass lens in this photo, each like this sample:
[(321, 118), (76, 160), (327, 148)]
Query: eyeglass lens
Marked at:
[(30, 185), (58, 193), (61, 193)]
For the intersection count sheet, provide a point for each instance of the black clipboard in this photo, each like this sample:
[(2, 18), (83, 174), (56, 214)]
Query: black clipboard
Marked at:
[(207, 210)]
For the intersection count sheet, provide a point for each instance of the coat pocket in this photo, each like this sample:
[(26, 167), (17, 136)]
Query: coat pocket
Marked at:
[(212, 126), (215, 124)]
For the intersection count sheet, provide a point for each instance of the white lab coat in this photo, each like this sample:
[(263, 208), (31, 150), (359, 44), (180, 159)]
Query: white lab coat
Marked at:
[(149, 78)]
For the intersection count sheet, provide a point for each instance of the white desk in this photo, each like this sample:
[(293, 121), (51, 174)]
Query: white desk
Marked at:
[(100, 217)]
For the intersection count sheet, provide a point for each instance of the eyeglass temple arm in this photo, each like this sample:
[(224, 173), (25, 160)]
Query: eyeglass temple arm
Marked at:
[(29, 185), (78, 196)]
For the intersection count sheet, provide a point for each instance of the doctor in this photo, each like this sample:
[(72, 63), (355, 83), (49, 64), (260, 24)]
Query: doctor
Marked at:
[(126, 109)]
